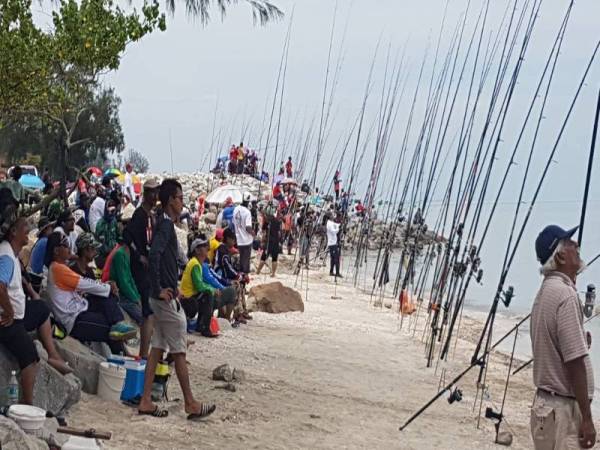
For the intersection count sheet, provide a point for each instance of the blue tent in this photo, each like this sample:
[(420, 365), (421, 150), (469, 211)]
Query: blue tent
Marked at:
[(31, 181)]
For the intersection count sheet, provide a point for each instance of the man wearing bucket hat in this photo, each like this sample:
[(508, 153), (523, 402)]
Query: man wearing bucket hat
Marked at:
[(19, 316), (562, 371)]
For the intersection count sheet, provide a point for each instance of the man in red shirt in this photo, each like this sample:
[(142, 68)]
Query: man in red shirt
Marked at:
[(288, 167), (233, 157)]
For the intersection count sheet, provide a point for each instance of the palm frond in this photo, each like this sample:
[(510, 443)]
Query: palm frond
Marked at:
[(263, 11)]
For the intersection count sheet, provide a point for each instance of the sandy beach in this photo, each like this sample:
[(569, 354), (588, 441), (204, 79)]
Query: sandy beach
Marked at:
[(340, 375)]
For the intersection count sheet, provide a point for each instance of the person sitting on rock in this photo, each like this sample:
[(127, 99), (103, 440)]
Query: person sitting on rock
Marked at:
[(214, 244), (199, 297), (224, 268), (95, 317), (18, 316)]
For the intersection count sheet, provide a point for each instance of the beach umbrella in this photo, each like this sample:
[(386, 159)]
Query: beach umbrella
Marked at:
[(289, 181), (95, 171), (112, 172), (31, 181), (220, 194)]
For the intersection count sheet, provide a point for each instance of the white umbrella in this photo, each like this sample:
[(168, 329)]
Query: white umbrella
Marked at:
[(220, 194)]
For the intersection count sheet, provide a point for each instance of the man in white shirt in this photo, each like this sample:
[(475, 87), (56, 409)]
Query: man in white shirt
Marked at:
[(333, 228), (98, 205), (244, 234), (128, 189)]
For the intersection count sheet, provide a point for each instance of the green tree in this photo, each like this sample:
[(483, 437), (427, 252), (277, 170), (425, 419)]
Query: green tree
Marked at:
[(138, 160), (100, 124)]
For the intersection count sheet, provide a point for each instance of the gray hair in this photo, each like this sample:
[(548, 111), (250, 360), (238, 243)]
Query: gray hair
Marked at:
[(550, 265)]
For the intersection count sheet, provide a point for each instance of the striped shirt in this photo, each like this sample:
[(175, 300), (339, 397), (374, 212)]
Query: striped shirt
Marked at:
[(557, 335)]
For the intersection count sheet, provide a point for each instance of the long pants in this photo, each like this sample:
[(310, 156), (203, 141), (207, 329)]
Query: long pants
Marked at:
[(94, 324), (334, 254), (204, 305)]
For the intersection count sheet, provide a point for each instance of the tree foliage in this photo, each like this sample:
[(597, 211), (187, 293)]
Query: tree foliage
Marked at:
[(263, 11), (99, 124), (139, 161)]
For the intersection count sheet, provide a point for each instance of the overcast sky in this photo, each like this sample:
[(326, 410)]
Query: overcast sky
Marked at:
[(171, 83)]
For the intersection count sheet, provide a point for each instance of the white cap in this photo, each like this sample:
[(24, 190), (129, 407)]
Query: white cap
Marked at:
[(247, 196)]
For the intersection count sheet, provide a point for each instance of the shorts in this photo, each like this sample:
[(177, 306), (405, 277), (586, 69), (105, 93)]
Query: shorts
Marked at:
[(170, 326), (245, 252), (19, 344), (272, 251), (36, 313), (554, 422)]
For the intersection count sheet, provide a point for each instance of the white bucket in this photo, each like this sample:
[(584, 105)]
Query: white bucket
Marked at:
[(80, 443), (110, 381)]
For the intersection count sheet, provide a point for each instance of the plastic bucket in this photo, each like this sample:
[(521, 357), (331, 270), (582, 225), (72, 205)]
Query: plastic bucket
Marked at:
[(80, 443), (110, 381)]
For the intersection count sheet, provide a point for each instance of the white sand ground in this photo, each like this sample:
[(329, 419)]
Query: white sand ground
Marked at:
[(341, 375)]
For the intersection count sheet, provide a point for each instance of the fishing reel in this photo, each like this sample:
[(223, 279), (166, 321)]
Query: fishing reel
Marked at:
[(455, 396), (479, 276), (590, 301), (460, 268), (460, 228), (473, 253), (508, 296)]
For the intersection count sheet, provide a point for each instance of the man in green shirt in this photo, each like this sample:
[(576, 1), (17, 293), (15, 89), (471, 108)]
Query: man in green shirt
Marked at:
[(129, 296)]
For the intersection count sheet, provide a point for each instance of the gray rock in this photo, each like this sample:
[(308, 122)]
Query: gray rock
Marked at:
[(42, 353), (84, 362), (239, 375), (224, 324), (49, 434), (12, 437), (52, 391), (223, 373)]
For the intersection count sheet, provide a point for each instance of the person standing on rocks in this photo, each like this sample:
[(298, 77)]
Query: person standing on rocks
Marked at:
[(244, 233), (561, 416), (333, 228), (170, 324), (139, 237)]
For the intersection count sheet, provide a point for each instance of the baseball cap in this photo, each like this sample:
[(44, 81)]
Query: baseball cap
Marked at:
[(219, 234), (86, 240), (247, 196), (199, 241), (548, 240)]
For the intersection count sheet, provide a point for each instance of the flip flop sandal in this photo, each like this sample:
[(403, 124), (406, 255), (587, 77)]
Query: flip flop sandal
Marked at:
[(205, 411), (157, 412)]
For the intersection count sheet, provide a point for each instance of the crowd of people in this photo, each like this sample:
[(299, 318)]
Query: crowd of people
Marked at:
[(112, 266)]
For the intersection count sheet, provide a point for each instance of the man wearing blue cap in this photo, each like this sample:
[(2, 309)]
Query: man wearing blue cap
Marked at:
[(561, 417)]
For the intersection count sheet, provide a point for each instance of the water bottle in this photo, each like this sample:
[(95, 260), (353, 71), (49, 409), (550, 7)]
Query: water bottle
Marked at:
[(13, 389)]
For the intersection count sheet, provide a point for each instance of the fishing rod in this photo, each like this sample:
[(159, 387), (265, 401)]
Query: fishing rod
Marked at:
[(488, 327), (475, 256)]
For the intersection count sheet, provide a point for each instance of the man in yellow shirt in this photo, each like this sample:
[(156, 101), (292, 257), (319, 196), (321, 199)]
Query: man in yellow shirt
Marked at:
[(213, 245), (201, 293)]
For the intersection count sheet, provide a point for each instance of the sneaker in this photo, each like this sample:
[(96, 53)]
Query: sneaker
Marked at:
[(122, 331)]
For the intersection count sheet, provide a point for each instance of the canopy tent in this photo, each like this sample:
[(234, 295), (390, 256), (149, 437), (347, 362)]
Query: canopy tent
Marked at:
[(220, 194)]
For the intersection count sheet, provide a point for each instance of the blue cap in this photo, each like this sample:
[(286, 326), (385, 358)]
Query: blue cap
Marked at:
[(548, 240)]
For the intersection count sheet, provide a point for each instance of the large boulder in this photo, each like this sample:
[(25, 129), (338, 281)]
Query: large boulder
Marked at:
[(274, 298), (12, 437), (84, 362), (52, 391)]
